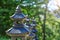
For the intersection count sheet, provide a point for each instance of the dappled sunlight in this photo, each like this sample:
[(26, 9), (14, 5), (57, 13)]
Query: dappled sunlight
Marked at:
[(45, 13), (54, 7)]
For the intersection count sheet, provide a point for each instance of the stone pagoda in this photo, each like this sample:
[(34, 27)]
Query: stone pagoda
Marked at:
[(18, 30)]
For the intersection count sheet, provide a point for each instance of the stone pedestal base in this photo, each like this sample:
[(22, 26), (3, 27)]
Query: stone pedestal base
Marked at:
[(13, 38), (24, 38)]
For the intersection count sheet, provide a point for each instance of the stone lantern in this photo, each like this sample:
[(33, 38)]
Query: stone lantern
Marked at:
[(30, 26), (18, 29), (34, 29)]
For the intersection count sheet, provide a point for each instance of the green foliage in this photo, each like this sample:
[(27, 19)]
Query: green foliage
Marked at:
[(7, 8)]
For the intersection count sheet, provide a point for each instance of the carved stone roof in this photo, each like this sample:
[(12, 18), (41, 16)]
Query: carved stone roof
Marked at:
[(34, 30), (16, 30), (18, 14)]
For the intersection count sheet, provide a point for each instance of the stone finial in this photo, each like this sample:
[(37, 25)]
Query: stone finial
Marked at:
[(18, 9)]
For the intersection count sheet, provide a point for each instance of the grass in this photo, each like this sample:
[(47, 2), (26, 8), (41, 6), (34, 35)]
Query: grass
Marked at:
[(5, 38)]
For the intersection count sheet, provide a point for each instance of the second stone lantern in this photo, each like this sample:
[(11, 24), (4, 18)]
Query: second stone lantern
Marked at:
[(18, 29)]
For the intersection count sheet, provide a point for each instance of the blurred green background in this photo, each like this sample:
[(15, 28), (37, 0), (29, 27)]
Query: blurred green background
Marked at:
[(32, 8)]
